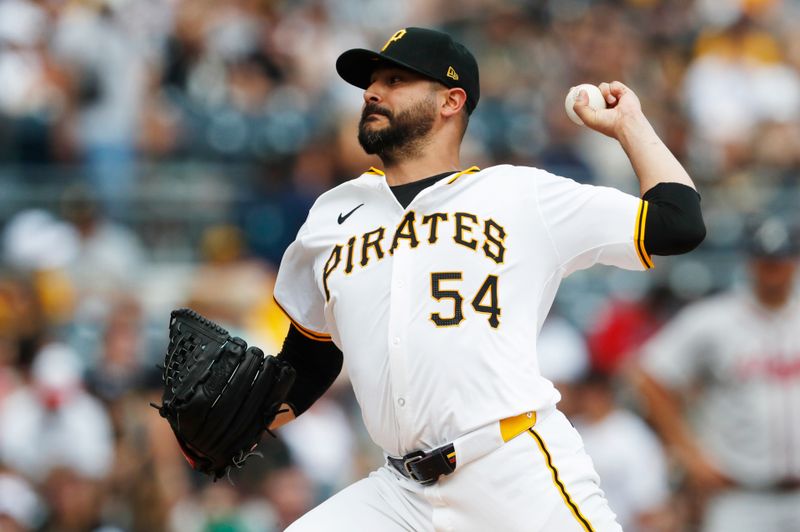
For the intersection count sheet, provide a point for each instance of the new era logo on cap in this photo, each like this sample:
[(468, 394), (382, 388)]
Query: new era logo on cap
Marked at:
[(428, 52)]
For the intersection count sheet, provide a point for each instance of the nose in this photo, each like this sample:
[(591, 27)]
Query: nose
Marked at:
[(371, 94)]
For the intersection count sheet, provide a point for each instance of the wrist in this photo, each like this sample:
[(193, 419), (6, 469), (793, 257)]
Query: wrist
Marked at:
[(635, 130)]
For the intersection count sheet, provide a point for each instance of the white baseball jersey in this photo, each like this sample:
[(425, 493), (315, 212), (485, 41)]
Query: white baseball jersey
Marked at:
[(746, 361), (437, 306)]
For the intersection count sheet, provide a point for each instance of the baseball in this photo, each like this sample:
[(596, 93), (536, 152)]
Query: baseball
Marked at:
[(596, 100)]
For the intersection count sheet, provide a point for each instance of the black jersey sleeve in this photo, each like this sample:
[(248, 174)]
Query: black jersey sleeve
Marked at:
[(317, 364), (674, 223)]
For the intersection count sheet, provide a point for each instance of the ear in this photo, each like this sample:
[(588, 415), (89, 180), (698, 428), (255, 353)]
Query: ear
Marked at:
[(454, 101)]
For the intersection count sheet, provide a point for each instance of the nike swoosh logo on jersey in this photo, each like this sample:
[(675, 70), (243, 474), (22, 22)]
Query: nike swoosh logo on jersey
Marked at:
[(343, 217)]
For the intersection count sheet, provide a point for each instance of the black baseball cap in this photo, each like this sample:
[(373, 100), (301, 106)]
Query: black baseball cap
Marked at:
[(772, 238), (428, 52)]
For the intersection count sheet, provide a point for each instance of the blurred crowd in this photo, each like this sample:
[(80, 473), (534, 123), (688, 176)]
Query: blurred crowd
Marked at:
[(163, 153)]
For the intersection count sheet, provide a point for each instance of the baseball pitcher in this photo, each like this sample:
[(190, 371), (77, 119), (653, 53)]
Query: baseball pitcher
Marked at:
[(432, 278)]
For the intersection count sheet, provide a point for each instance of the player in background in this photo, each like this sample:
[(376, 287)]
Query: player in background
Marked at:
[(432, 280), (721, 383)]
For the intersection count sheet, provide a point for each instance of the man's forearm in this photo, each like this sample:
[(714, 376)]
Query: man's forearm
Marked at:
[(316, 365), (624, 120), (651, 159)]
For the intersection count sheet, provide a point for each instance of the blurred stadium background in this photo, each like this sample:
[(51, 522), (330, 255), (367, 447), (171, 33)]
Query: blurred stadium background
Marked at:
[(163, 153)]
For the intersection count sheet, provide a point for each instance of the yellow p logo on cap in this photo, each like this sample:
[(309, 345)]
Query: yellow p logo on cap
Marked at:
[(452, 74), (394, 38)]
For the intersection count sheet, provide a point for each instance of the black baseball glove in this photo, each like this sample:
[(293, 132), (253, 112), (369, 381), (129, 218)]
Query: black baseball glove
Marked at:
[(219, 395)]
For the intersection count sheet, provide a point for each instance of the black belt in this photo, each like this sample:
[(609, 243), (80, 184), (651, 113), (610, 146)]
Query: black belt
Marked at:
[(426, 467)]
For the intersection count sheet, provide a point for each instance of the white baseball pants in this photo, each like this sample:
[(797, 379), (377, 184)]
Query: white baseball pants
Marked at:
[(540, 481)]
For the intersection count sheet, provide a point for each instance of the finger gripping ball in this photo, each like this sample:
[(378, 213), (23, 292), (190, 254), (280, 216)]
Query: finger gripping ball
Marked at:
[(596, 100)]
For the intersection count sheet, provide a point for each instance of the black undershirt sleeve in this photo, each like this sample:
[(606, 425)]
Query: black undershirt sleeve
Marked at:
[(317, 364), (674, 223)]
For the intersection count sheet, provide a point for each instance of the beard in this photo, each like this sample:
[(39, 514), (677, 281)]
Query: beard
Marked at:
[(405, 134)]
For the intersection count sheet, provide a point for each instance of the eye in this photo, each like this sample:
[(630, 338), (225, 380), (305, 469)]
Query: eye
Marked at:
[(394, 80)]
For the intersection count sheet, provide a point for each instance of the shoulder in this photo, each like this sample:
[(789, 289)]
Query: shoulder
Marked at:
[(343, 196), (517, 173), (367, 181), (543, 182), (525, 180)]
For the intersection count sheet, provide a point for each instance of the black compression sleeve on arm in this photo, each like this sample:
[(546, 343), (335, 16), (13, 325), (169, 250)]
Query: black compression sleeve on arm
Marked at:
[(317, 364), (674, 223)]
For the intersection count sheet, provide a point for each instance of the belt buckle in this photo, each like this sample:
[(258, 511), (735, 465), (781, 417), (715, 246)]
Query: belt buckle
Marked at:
[(411, 459)]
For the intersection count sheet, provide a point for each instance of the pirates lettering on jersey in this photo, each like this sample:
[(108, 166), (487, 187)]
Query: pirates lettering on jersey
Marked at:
[(466, 229), (330, 265), (433, 220), (374, 240), (463, 228), (349, 267), (498, 253), (405, 231)]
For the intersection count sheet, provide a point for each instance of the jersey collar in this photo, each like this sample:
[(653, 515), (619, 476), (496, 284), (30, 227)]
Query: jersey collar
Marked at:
[(471, 170)]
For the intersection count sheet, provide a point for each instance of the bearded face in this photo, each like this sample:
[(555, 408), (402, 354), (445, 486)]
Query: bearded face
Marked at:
[(400, 134)]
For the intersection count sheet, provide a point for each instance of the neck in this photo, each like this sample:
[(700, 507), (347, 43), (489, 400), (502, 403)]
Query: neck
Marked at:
[(430, 161)]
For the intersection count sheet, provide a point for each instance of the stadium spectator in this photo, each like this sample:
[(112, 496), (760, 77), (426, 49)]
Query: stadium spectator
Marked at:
[(52, 421)]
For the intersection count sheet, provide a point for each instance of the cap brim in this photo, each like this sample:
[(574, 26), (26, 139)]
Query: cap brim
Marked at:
[(356, 66)]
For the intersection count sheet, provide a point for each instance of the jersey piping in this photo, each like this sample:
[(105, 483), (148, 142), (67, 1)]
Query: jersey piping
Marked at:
[(638, 236), (305, 331), (471, 170), (587, 526)]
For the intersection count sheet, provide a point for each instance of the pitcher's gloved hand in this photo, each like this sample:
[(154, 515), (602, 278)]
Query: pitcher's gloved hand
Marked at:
[(220, 396)]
